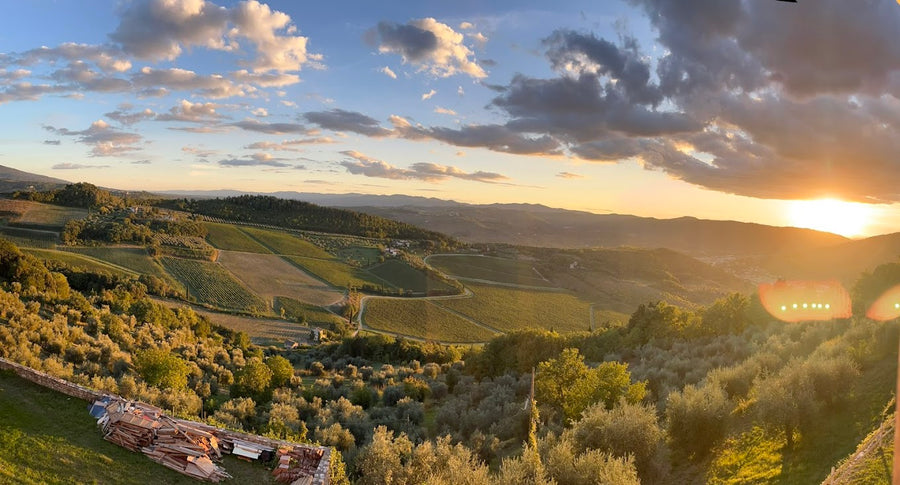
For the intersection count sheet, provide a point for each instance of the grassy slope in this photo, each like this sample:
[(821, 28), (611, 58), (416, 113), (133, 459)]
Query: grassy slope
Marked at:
[(47, 437), (231, 238), (421, 318), (405, 276), (286, 244), (489, 268), (77, 260), (513, 309), (337, 273)]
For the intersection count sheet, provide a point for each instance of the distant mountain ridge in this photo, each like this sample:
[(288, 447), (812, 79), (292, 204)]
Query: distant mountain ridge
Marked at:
[(542, 226)]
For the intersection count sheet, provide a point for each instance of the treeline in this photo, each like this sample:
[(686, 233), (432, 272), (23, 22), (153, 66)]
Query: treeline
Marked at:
[(294, 214), (81, 194)]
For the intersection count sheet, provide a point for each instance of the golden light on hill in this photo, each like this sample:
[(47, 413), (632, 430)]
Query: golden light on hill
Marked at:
[(845, 218)]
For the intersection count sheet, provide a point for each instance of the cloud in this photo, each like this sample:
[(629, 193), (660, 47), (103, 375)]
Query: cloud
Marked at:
[(211, 86), (107, 58), (25, 91), (266, 79), (342, 121), (260, 159), (104, 140), (444, 111), (260, 112), (75, 166), (388, 72), (125, 117), (361, 164), (493, 137), (428, 44), (569, 175), (460, 91), (189, 112), (428, 95), (52, 142), (158, 30), (289, 145), (141, 162), (269, 128), (199, 151)]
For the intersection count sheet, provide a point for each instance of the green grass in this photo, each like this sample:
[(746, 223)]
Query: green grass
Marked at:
[(49, 438), (77, 261), (511, 309), (286, 244), (500, 270), (423, 319), (362, 255), (337, 273), (834, 436), (402, 275), (135, 259), (231, 238), (211, 284), (38, 214), (311, 314)]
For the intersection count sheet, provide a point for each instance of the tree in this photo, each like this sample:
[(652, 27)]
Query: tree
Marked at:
[(697, 418), (161, 368), (253, 380), (282, 370), (786, 400), (627, 429)]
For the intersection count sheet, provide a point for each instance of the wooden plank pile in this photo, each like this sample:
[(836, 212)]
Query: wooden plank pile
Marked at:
[(183, 448), (297, 465)]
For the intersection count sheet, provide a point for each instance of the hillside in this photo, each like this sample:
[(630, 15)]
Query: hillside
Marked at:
[(12, 180), (536, 225), (843, 261)]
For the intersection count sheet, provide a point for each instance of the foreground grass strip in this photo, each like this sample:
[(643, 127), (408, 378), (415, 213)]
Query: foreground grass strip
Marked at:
[(49, 438), (422, 319)]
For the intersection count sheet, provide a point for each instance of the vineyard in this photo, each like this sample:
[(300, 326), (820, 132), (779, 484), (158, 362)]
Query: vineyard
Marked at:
[(283, 243), (404, 276), (510, 309), (421, 319), (212, 285), (339, 274), (231, 238), (488, 268), (269, 276)]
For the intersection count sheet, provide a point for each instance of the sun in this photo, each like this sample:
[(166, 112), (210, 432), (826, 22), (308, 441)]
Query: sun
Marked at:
[(831, 215)]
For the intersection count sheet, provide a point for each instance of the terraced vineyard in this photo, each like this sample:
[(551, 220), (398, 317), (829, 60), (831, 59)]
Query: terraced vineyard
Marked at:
[(421, 319), (404, 276), (511, 309), (211, 284), (135, 259), (286, 244), (501, 270), (231, 238)]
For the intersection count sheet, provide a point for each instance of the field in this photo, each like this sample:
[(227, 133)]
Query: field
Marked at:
[(286, 244), (262, 331), (269, 276), (361, 255), (78, 261), (500, 270), (211, 284), (511, 309), (337, 273), (231, 238), (48, 437), (38, 214), (405, 276), (26, 238), (421, 319), (311, 314)]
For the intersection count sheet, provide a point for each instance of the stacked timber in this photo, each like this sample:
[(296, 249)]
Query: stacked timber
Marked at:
[(297, 465), (181, 447)]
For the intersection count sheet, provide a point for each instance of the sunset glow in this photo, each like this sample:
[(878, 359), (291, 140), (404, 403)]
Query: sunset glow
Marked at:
[(831, 215)]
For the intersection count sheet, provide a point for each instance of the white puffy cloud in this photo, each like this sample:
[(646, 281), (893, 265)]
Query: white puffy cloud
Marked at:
[(162, 29), (428, 95), (104, 140), (431, 45)]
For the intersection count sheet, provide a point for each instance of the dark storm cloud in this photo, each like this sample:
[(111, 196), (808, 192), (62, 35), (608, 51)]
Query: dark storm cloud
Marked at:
[(410, 41)]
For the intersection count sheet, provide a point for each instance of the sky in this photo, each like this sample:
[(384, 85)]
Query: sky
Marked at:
[(664, 108)]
